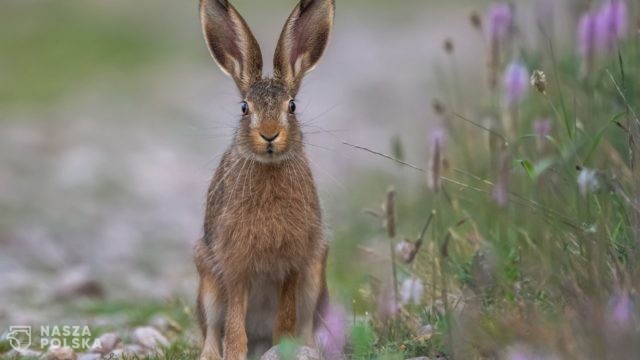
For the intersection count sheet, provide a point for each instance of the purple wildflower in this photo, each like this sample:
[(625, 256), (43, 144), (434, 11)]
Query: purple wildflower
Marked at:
[(332, 335), (542, 127), (500, 194), (438, 136), (612, 23), (387, 303), (587, 35), (516, 83), (500, 19), (622, 312)]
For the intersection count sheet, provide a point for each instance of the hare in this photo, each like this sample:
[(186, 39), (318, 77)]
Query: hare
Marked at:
[(263, 255)]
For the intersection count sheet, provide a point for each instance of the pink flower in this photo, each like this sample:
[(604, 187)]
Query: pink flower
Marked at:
[(516, 83), (587, 35), (438, 136), (500, 20), (612, 24), (500, 194), (332, 334), (387, 304), (542, 128), (622, 311)]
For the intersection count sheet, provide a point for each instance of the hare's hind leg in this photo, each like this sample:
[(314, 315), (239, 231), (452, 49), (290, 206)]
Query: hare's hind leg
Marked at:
[(211, 316)]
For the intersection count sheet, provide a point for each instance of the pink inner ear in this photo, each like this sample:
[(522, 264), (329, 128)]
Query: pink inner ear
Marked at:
[(300, 41), (231, 40), (223, 36)]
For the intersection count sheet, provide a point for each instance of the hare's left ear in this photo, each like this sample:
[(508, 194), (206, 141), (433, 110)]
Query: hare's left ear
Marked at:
[(303, 40)]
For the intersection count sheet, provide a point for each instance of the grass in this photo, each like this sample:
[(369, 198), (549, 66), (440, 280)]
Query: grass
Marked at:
[(67, 46), (550, 269)]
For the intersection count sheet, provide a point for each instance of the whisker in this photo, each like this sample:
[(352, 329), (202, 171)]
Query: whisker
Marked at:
[(328, 174)]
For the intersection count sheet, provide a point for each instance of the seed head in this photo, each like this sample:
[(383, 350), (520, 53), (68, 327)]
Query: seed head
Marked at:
[(438, 107), (448, 46), (476, 20), (405, 251), (539, 81), (390, 212)]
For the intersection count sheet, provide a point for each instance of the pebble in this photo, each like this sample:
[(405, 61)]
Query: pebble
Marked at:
[(27, 353), (303, 353), (149, 338), (108, 343), (425, 332), (77, 282), (61, 353), (89, 356), (165, 324)]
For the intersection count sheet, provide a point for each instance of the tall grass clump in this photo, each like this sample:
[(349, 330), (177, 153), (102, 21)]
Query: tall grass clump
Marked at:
[(530, 239)]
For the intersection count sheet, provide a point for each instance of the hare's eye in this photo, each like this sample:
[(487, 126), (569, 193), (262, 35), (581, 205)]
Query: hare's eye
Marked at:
[(292, 107), (244, 106)]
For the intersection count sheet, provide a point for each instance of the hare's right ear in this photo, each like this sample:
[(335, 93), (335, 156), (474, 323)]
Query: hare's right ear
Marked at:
[(231, 43)]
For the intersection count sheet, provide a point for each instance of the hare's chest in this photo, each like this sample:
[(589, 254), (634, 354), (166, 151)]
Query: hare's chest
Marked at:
[(273, 236), (268, 220)]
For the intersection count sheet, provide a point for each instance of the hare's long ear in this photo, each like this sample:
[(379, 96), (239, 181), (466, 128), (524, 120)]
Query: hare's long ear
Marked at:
[(303, 40), (231, 43)]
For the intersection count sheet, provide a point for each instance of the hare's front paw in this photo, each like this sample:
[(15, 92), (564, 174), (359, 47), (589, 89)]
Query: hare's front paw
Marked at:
[(210, 355)]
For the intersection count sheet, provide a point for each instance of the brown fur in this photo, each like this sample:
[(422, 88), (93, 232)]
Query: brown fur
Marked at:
[(263, 256)]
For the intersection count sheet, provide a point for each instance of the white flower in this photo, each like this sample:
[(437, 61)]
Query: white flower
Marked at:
[(588, 181), (411, 292)]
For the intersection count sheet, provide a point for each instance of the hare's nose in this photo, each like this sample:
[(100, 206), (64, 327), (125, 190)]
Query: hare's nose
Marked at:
[(271, 138)]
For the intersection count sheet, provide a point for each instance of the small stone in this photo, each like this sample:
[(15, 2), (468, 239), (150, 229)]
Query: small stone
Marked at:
[(89, 356), (149, 338), (165, 324), (419, 358), (136, 350), (425, 332), (131, 351), (61, 353), (303, 353), (77, 282), (108, 343), (13, 354)]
